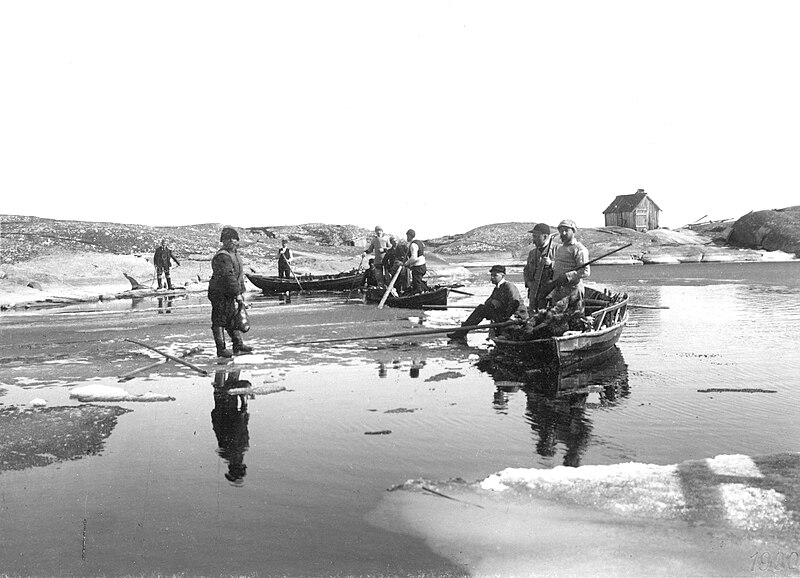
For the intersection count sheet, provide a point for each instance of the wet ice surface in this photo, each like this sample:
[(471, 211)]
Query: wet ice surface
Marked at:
[(166, 493)]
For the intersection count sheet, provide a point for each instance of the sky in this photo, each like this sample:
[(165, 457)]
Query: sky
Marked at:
[(440, 116)]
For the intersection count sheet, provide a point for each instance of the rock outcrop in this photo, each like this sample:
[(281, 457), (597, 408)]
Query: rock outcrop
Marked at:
[(775, 230)]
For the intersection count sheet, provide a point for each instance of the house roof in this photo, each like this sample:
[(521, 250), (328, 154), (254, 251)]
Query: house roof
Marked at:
[(627, 203)]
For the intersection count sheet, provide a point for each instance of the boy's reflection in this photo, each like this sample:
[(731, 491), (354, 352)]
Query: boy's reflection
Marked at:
[(229, 420)]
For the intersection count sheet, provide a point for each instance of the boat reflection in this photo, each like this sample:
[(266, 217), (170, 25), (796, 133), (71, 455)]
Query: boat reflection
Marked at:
[(559, 405), (229, 420)]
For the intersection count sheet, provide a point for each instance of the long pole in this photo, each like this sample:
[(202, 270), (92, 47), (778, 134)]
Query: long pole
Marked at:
[(168, 356), (540, 271), (389, 288), (131, 374), (464, 328), (293, 275), (603, 256)]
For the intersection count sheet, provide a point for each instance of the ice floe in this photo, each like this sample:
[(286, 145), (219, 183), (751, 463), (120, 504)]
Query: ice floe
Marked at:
[(97, 392)]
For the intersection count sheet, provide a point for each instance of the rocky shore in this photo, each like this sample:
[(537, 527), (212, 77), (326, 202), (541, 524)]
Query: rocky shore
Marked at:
[(51, 262)]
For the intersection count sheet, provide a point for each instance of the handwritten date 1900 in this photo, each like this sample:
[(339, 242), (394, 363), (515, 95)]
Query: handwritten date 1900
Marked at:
[(766, 561)]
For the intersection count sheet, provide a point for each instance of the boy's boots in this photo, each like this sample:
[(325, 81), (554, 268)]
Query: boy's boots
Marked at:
[(219, 341), (238, 342)]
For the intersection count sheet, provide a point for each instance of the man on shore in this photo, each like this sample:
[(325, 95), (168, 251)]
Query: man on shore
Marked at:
[(162, 260), (503, 304), (226, 293), (538, 270)]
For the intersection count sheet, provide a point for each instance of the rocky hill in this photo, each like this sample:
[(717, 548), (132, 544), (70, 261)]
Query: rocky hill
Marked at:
[(775, 230)]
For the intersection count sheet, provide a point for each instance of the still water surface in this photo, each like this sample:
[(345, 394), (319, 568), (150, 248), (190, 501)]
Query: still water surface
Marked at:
[(714, 373)]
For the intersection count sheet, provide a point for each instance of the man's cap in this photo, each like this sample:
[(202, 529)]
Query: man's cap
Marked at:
[(498, 269), (228, 233), (378, 228), (568, 223), (541, 229), (284, 241), (411, 232)]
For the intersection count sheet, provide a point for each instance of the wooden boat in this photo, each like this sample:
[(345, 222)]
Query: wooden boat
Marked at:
[(337, 282), (609, 314), (436, 296)]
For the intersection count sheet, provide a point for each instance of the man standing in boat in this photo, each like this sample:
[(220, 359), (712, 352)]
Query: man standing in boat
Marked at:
[(503, 304), (284, 260), (226, 292), (538, 271), (415, 262), (162, 260), (378, 245), (569, 269)]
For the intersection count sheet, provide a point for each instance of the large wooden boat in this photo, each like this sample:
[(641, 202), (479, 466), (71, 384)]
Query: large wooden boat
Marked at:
[(609, 314), (436, 296), (337, 282)]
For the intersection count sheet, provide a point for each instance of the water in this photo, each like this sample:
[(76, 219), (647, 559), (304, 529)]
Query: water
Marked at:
[(715, 373)]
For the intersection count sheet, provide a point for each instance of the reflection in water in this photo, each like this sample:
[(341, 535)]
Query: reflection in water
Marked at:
[(558, 407), (165, 304), (229, 419)]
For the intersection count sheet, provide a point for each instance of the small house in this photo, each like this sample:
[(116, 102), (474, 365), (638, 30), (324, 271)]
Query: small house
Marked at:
[(636, 211)]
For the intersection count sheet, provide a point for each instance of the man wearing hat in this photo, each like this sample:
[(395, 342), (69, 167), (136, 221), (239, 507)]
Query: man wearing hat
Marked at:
[(378, 245), (569, 268), (503, 304), (162, 259), (226, 291), (538, 270)]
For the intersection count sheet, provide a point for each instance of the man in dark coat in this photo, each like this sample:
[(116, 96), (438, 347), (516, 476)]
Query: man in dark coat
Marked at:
[(226, 292), (285, 260), (162, 260), (538, 270), (504, 303)]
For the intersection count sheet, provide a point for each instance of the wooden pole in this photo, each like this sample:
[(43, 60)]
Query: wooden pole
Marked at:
[(131, 374), (389, 288), (168, 356), (293, 275), (464, 328)]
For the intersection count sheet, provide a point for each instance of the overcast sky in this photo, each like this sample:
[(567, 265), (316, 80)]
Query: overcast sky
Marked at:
[(441, 116)]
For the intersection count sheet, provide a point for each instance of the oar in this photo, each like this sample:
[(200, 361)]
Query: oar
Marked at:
[(448, 306), (389, 288), (462, 292), (168, 356), (130, 374), (293, 275), (463, 328)]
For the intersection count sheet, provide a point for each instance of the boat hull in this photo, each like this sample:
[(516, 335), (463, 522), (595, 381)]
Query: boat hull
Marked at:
[(573, 348), (338, 282), (437, 296)]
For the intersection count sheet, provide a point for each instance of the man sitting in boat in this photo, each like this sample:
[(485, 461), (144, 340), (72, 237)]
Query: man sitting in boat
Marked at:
[(503, 304), (372, 277)]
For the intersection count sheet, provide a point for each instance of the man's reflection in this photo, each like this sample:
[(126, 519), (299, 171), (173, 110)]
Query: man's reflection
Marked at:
[(558, 407), (229, 419), (165, 304)]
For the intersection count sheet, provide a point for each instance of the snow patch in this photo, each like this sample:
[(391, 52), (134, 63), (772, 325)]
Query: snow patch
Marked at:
[(734, 465), (749, 508), (89, 393)]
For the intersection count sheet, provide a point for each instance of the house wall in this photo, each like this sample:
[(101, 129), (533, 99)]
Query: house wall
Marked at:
[(646, 210)]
